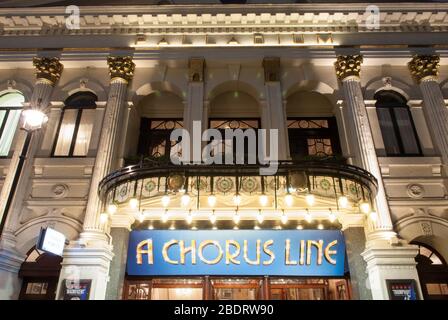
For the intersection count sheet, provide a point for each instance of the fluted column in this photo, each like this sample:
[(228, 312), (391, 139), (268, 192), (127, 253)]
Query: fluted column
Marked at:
[(275, 115), (121, 70), (361, 144), (48, 72), (425, 69)]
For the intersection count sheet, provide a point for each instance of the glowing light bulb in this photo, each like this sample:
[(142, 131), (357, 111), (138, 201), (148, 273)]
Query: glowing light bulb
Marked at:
[(112, 209), (133, 203), (320, 226), (237, 199), (211, 200), (166, 200), (260, 217), (343, 202), (164, 217), (310, 199), (189, 218), (33, 119), (331, 217), (104, 217), (373, 216), (364, 207), (289, 200), (299, 227), (308, 217), (141, 217), (263, 200), (185, 200), (236, 218), (151, 227), (212, 218), (284, 218)]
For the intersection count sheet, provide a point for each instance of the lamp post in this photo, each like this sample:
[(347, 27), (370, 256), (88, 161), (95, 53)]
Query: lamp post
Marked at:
[(32, 120)]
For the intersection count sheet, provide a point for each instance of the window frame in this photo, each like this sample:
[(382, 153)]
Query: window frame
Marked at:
[(5, 118), (400, 102), (74, 137)]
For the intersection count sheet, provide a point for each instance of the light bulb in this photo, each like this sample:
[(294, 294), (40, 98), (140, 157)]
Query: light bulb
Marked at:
[(320, 226), (260, 217), (289, 200), (263, 200), (112, 209), (365, 207), (237, 199), (331, 217), (308, 216), (284, 218), (299, 227), (309, 199), (185, 200), (236, 218), (166, 200), (373, 216), (164, 217), (33, 119), (343, 202), (189, 218), (213, 218), (104, 217), (151, 227), (141, 217), (211, 200), (133, 203)]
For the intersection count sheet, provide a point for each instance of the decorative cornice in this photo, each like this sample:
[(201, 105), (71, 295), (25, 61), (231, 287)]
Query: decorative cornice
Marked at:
[(348, 66), (49, 69), (424, 66), (121, 67)]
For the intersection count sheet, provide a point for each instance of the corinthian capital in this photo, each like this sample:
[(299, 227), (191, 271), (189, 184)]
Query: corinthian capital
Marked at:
[(121, 67), (348, 66), (48, 68), (424, 66)]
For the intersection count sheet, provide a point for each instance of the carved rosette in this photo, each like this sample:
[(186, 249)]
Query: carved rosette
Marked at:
[(348, 66), (121, 67), (424, 66), (271, 66), (49, 69), (196, 68)]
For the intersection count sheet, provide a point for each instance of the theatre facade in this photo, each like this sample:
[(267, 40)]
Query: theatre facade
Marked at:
[(348, 105)]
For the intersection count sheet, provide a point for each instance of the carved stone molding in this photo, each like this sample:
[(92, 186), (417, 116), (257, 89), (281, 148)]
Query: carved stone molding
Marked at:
[(196, 68), (426, 228), (121, 67), (271, 66), (348, 66), (424, 66), (415, 191), (48, 68), (60, 191)]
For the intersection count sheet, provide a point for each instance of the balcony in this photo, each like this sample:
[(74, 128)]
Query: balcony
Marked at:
[(301, 190)]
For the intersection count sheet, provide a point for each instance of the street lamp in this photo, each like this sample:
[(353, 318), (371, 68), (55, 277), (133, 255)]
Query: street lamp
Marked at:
[(32, 120)]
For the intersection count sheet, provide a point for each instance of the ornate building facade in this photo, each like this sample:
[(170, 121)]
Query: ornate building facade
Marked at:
[(358, 98)]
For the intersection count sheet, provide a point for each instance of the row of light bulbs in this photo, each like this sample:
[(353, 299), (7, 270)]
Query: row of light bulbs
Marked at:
[(288, 199)]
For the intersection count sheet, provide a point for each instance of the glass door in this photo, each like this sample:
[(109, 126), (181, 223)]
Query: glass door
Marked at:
[(236, 289)]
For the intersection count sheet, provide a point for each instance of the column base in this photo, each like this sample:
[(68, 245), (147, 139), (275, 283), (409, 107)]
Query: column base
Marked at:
[(10, 263), (90, 263), (389, 260)]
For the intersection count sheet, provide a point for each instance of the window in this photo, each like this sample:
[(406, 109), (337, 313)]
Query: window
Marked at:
[(10, 109), (155, 136), (313, 137), (397, 127), (75, 128)]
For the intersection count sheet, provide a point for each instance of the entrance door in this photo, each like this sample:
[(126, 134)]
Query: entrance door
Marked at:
[(236, 289)]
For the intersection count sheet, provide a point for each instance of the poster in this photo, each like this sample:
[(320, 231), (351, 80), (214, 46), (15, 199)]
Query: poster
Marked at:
[(76, 290), (402, 289)]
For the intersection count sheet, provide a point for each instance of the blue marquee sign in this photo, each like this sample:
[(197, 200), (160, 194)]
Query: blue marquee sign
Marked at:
[(236, 252)]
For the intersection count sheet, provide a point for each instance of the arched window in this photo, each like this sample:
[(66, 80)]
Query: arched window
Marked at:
[(75, 127), (10, 108), (397, 127)]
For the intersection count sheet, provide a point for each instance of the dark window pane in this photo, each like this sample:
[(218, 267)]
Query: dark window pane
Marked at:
[(388, 132), (407, 133)]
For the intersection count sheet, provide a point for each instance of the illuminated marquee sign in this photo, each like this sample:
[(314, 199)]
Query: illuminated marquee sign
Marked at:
[(236, 252)]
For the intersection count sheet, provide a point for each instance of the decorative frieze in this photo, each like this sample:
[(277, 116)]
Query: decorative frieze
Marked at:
[(121, 67), (48, 68), (348, 66), (424, 66)]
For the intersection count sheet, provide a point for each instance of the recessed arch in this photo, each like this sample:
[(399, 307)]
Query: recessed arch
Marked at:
[(234, 86), (155, 87)]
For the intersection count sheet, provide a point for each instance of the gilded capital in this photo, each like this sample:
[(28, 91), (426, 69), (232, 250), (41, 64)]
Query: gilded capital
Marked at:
[(348, 66), (121, 67), (424, 66), (48, 68), (271, 66), (196, 68)]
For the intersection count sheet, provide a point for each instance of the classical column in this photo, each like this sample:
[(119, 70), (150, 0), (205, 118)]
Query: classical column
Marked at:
[(121, 70), (362, 146), (90, 257), (48, 72), (275, 113), (385, 255), (194, 109), (425, 69)]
